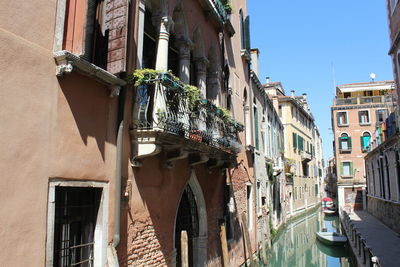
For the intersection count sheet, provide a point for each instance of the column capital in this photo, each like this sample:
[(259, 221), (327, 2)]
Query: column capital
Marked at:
[(184, 46), (201, 64)]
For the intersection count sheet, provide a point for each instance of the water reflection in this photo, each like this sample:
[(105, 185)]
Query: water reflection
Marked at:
[(298, 246)]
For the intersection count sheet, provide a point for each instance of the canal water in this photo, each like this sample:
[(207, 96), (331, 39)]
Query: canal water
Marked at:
[(297, 244)]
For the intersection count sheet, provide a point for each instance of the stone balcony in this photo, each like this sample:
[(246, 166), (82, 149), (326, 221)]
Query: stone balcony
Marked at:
[(305, 156), (364, 100), (169, 118)]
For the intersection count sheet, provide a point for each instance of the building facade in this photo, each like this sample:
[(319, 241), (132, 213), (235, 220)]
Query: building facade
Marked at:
[(303, 178), (357, 111), (383, 162), (266, 146), (120, 165)]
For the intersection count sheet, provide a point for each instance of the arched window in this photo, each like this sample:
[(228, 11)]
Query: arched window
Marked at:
[(365, 142), (344, 143)]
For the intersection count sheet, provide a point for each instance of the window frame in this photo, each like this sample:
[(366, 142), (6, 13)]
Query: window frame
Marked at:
[(351, 169), (347, 119), (349, 143), (393, 7), (369, 117), (101, 229), (365, 149)]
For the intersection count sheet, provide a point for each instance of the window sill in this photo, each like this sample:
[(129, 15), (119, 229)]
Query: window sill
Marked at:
[(346, 177), (365, 123), (345, 151), (343, 125), (67, 62)]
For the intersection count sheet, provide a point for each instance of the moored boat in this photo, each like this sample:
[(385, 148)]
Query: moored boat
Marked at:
[(331, 238), (329, 211)]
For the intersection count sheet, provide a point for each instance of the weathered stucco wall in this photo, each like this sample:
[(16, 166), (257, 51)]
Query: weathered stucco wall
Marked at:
[(50, 128), (386, 211)]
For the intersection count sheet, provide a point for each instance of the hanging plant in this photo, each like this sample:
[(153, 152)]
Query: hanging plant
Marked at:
[(143, 76), (193, 95)]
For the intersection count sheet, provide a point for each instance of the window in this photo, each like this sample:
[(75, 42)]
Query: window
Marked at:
[(305, 168), (256, 132), (393, 4), (294, 140), (363, 117), (347, 95), (381, 115), (342, 119), (344, 143), (300, 143), (365, 142), (77, 224), (346, 169), (259, 198), (85, 32), (367, 93)]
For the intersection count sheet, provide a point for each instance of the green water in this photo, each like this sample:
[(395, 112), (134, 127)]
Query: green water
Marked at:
[(297, 244)]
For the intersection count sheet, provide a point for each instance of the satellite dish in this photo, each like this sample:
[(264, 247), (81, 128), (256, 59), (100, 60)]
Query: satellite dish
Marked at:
[(373, 76)]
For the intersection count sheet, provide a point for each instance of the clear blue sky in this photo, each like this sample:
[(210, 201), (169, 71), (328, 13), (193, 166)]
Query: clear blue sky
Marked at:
[(300, 41)]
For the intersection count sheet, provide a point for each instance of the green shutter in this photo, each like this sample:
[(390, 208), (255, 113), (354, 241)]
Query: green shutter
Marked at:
[(341, 168), (362, 143), (359, 116), (351, 169), (256, 133), (349, 142), (247, 33), (294, 140)]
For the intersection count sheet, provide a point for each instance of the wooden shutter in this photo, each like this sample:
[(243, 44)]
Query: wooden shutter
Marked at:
[(340, 142), (294, 140), (247, 33), (351, 169), (341, 168), (256, 133), (349, 142)]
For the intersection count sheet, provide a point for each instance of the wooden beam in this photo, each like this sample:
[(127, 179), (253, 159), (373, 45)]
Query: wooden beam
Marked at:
[(247, 238), (224, 245)]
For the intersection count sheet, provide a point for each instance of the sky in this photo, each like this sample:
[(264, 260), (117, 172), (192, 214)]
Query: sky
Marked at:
[(311, 45)]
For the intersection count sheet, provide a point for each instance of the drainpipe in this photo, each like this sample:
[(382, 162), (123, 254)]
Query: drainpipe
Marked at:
[(118, 178), (112, 257)]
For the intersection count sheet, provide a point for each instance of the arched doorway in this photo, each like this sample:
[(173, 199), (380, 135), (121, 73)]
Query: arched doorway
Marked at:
[(192, 218)]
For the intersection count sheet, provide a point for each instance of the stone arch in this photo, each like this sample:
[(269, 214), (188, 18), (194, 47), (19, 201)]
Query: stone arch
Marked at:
[(199, 246)]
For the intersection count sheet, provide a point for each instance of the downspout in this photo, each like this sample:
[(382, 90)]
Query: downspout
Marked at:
[(118, 178), (112, 257)]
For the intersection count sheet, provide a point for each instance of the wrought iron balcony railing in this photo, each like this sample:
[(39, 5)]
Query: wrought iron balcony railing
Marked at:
[(166, 106)]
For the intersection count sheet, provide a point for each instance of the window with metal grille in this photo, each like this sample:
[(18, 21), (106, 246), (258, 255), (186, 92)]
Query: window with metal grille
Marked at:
[(76, 210)]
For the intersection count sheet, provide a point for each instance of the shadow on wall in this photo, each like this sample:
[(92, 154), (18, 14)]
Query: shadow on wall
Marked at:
[(94, 113)]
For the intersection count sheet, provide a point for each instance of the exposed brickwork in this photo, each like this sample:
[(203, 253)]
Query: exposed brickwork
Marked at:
[(116, 20), (145, 248)]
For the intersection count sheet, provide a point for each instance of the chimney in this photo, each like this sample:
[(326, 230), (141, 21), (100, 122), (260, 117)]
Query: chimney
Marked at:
[(254, 59), (304, 97), (292, 93), (267, 80)]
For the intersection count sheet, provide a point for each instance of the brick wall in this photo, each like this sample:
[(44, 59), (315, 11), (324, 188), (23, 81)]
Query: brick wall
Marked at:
[(116, 20)]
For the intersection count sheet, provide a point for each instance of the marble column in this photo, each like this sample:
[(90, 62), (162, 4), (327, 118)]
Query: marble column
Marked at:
[(162, 47), (184, 47), (201, 73)]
